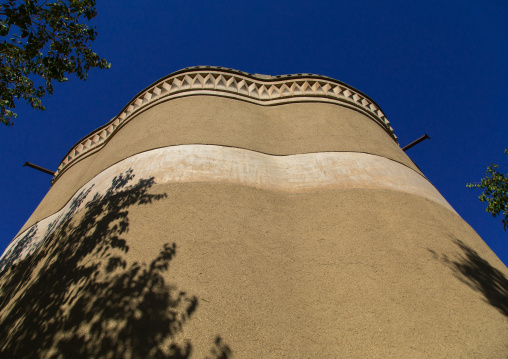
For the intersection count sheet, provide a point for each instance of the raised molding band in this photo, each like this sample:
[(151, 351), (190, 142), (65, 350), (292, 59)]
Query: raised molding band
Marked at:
[(301, 173)]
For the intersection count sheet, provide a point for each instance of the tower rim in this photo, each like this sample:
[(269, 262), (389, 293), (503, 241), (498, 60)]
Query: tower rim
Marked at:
[(259, 89)]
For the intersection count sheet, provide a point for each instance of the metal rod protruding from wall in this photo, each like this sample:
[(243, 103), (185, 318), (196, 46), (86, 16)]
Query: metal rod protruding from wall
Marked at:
[(42, 169), (414, 143)]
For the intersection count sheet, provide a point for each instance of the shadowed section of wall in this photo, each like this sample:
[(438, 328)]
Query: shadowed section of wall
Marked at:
[(81, 296), (336, 273), (279, 130), (480, 275)]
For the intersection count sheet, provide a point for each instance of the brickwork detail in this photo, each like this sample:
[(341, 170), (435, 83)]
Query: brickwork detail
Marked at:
[(260, 89)]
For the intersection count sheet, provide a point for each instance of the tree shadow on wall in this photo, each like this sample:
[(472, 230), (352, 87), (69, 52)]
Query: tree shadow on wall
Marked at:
[(76, 297), (30, 241), (478, 274), (14, 253)]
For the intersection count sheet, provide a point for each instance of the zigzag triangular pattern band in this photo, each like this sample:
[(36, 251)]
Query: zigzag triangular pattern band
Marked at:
[(259, 89)]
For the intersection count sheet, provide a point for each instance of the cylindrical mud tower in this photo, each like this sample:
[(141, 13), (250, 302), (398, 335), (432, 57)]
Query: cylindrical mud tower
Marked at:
[(227, 214)]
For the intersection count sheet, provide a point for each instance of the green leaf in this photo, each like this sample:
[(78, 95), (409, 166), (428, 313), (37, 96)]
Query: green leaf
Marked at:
[(495, 192), (55, 40)]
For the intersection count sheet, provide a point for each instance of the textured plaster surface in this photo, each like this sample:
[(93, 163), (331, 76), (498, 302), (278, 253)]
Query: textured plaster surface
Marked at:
[(338, 273), (279, 130), (330, 274)]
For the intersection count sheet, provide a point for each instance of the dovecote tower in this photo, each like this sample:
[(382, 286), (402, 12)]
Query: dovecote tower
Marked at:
[(228, 214)]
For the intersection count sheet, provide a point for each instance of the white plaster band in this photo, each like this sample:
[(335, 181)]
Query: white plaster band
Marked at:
[(288, 174)]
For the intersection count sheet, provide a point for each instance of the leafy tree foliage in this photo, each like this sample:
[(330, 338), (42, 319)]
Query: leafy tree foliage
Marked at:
[(495, 192), (43, 41)]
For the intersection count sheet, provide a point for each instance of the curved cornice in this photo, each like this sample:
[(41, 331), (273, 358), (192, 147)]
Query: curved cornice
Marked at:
[(219, 81)]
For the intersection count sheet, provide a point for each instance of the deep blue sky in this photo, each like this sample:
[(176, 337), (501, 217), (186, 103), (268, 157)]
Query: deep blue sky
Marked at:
[(435, 67)]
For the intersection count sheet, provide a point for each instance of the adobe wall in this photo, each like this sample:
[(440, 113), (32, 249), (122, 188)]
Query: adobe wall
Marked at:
[(301, 230)]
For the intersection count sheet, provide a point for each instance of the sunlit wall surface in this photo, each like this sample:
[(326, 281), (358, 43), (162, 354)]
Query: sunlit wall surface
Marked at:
[(227, 214)]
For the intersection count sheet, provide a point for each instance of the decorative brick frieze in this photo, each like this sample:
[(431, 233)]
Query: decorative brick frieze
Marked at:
[(218, 81)]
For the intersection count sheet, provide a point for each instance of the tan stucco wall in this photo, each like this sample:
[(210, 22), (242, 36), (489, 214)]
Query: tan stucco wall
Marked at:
[(330, 274), (279, 130)]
